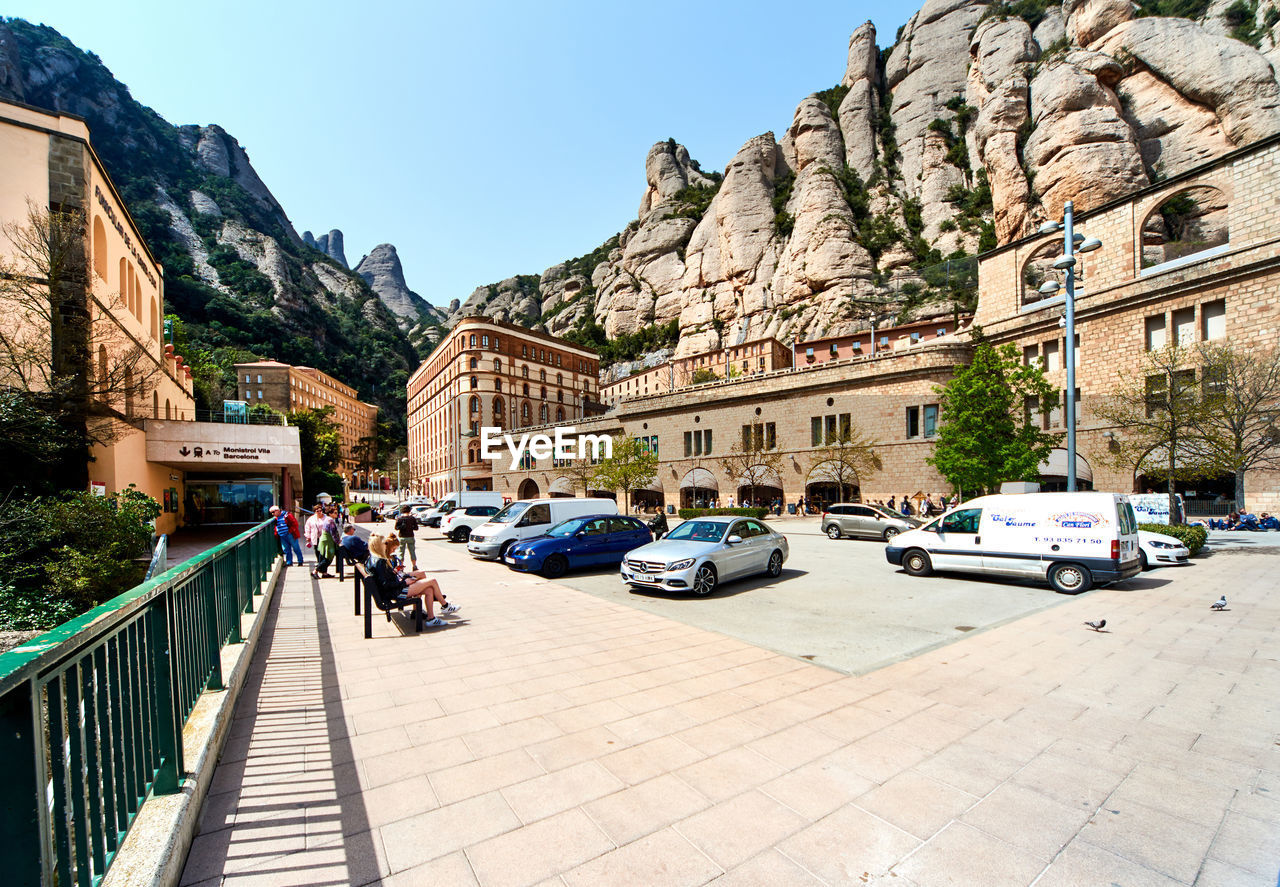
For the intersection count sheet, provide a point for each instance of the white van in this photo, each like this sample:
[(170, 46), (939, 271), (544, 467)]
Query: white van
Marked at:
[(528, 518), (1153, 508), (1071, 539), (469, 497)]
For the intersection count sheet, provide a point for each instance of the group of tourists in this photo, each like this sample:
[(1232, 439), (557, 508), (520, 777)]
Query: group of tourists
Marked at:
[(924, 507), (1240, 520), (333, 539)]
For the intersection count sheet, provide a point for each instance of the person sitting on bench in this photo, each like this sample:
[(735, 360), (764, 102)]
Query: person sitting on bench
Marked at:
[(394, 587), (406, 575)]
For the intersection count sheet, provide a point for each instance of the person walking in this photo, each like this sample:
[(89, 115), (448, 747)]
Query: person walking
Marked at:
[(406, 526), (890, 504), (288, 534), (319, 537)]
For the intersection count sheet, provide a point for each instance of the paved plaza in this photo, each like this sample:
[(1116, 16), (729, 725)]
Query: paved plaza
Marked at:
[(555, 737)]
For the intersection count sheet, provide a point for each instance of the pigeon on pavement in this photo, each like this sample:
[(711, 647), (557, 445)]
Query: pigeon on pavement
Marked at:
[(1219, 604), (1097, 626)]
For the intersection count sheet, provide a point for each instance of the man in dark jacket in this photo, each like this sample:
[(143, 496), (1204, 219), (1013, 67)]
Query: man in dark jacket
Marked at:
[(406, 526), (351, 549)]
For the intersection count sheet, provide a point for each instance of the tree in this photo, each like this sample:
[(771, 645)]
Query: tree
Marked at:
[(631, 467), (1159, 413), (703, 374), (321, 448), (580, 474), (987, 434), (60, 344), (845, 459), (1237, 421), (751, 463)]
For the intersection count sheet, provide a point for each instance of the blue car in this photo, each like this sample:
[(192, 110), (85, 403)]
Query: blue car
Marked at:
[(593, 540)]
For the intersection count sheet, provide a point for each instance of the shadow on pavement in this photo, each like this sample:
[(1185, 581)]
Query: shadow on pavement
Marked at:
[(728, 589)]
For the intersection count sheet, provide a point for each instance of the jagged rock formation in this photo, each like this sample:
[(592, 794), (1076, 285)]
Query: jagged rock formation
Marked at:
[(977, 126), (381, 269), (330, 244), (236, 272)]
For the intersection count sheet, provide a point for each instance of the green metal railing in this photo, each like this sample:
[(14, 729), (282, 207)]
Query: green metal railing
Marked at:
[(91, 712)]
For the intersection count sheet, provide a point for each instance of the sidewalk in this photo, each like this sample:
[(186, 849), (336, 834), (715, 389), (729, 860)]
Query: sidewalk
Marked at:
[(552, 737)]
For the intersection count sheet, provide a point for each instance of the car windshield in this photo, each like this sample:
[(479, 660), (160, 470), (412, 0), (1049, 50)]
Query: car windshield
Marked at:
[(897, 515), (699, 531), (566, 527), (510, 513), (446, 506)]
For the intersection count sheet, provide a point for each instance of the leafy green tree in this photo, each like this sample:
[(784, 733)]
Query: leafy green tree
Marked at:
[(65, 555), (321, 450), (631, 467), (846, 459), (1241, 409), (986, 434)]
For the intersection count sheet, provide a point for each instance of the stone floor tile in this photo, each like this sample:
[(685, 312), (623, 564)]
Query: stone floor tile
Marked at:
[(1149, 837), (649, 759), (484, 775), (584, 745), (738, 829), (1215, 873), (849, 845), (730, 773), (662, 858), (439, 832), (1082, 863), (556, 792), (453, 870), (530, 854), (796, 745), (771, 868), (815, 789), (1248, 843), (962, 856), (969, 769), (916, 804), (641, 809), (1006, 811)]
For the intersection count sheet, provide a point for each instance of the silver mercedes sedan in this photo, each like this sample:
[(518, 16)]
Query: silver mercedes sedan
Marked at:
[(703, 552)]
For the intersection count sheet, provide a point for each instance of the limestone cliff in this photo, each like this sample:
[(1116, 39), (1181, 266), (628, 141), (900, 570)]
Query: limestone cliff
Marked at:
[(973, 128)]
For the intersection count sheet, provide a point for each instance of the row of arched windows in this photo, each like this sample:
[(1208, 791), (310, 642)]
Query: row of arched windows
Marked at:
[(127, 282), (474, 408)]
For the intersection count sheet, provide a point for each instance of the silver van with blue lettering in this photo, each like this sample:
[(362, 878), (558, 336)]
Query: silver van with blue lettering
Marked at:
[(1071, 540)]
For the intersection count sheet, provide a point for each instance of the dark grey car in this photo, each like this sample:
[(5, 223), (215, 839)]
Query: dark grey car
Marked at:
[(865, 521)]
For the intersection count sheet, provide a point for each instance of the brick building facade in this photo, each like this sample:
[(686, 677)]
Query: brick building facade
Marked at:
[(1219, 282)]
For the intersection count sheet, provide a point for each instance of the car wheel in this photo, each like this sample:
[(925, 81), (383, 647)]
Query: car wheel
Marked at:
[(705, 580), (890, 532), (775, 564), (1070, 578), (917, 563), (833, 532), (1142, 559), (554, 566), (502, 552)]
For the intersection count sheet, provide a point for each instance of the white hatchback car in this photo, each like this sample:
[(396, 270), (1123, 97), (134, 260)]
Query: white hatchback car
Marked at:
[(1159, 550)]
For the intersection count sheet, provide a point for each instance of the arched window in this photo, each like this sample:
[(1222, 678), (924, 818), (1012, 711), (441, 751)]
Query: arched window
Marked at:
[(155, 405), (167, 409), (559, 414), (99, 248), (123, 283), (526, 413), (497, 384), (133, 290), (473, 340), (102, 365), (495, 343), (475, 406), (560, 396), (526, 389), (544, 392), (524, 371), (542, 375), (559, 378), (1190, 222), (155, 321), (497, 364), (498, 415), (128, 392), (475, 363), (475, 383), (542, 414)]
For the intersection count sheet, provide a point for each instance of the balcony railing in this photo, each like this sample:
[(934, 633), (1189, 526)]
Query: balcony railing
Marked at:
[(247, 418), (91, 712)]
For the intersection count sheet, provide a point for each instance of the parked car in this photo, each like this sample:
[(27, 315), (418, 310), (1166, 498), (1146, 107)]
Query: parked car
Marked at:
[(867, 521), (593, 540), (528, 518), (1159, 550), (1070, 539), (434, 516), (459, 523), (703, 552)]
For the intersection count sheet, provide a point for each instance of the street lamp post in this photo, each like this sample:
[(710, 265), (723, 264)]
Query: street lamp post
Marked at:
[(404, 459), (1071, 244)]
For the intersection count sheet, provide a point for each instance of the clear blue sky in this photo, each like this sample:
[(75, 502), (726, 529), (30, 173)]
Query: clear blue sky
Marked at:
[(483, 139)]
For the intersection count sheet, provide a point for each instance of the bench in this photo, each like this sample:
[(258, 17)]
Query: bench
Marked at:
[(373, 597)]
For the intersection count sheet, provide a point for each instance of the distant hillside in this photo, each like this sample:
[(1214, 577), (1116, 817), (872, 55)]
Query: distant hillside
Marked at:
[(237, 275)]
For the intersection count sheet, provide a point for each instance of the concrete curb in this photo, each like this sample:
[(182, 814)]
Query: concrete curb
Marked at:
[(155, 851)]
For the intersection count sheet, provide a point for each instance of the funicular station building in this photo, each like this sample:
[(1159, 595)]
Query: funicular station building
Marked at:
[(1217, 282)]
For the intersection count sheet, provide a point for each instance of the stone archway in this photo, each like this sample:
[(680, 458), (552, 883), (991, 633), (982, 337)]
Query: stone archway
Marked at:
[(528, 489)]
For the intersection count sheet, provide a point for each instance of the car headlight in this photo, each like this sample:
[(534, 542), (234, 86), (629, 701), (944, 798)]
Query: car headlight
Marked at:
[(681, 565), (1165, 545)]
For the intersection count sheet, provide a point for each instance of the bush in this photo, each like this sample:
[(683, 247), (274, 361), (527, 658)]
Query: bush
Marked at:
[(1191, 535), (63, 556), (358, 508), (687, 513)]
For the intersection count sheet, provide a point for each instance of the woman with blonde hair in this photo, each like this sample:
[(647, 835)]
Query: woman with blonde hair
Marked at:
[(395, 588), (406, 575)]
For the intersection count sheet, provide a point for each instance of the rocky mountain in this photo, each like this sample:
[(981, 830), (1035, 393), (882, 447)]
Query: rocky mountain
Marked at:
[(237, 275), (381, 269), (976, 125)]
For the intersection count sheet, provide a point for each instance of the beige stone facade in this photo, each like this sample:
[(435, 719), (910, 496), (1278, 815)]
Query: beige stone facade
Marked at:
[(1139, 291), (489, 373), (287, 388)]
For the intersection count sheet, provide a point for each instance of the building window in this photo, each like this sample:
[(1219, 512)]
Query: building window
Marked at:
[(526, 389), (1052, 360), (559, 414), (497, 384), (544, 392), (557, 360), (475, 383), (942, 331), (474, 406), (835, 351), (1213, 320), (930, 420), (884, 341), (259, 380), (475, 363), (1030, 355), (484, 341), (559, 378), (524, 350), (542, 414), (542, 375), (560, 396), (247, 379), (473, 340), (524, 371), (1155, 333), (913, 421), (1184, 326), (259, 394), (759, 436), (827, 429)]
